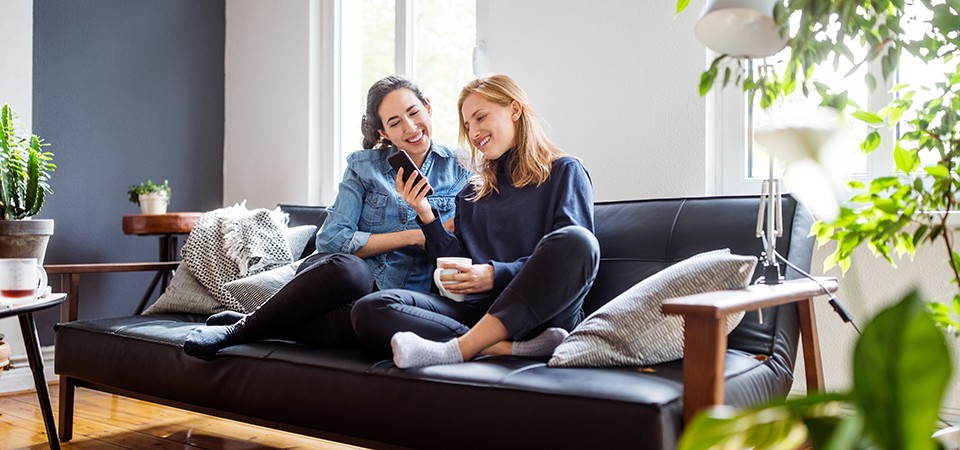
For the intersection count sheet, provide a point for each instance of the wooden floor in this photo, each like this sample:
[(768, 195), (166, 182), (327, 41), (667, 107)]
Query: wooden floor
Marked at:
[(104, 421)]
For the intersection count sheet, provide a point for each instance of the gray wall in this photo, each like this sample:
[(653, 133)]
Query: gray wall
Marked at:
[(124, 91)]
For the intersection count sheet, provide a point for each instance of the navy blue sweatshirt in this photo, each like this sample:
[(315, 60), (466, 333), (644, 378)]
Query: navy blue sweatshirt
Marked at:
[(503, 228)]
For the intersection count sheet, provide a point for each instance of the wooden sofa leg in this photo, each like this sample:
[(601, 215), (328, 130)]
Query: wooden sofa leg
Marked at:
[(812, 363), (67, 389), (705, 348)]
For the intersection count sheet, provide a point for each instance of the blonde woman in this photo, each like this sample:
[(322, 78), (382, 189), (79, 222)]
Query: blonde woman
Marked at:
[(525, 221)]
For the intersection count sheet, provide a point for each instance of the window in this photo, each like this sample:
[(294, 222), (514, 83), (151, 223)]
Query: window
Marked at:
[(739, 166), (430, 41)]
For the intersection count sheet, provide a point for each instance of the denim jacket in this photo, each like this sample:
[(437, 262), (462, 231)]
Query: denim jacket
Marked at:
[(368, 203)]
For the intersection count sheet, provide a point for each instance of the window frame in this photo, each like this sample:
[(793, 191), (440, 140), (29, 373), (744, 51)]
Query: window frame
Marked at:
[(335, 19), (729, 120)]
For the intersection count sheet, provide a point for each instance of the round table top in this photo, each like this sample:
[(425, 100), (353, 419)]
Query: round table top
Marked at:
[(170, 223), (42, 303)]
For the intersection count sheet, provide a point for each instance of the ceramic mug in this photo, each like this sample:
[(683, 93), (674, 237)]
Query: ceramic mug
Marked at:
[(22, 280), (441, 271)]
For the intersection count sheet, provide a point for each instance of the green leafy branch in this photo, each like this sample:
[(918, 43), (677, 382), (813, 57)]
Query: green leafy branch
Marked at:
[(892, 215)]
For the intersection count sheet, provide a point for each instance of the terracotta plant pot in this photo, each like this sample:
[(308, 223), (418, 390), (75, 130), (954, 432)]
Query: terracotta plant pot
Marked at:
[(25, 238)]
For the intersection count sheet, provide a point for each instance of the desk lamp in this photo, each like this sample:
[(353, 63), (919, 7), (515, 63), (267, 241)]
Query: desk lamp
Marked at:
[(746, 29)]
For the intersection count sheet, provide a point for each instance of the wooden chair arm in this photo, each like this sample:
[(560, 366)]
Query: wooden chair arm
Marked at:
[(109, 267), (70, 279), (705, 337)]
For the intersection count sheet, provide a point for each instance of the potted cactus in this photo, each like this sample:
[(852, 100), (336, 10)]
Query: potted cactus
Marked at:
[(25, 168)]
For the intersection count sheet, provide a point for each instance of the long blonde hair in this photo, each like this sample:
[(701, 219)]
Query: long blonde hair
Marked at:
[(534, 153)]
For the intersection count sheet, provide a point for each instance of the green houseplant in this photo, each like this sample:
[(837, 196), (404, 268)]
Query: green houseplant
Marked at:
[(891, 215), (151, 197), (25, 169)]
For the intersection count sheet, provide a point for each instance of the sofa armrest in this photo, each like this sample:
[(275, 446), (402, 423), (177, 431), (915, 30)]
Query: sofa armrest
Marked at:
[(70, 279), (705, 337)]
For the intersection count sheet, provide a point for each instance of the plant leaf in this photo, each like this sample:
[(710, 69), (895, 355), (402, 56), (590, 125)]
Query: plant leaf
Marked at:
[(868, 117), (901, 367)]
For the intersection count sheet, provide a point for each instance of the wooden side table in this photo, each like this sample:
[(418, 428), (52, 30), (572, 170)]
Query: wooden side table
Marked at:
[(167, 227), (32, 342)]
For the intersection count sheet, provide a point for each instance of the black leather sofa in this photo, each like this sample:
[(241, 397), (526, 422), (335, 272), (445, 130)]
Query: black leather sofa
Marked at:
[(355, 396)]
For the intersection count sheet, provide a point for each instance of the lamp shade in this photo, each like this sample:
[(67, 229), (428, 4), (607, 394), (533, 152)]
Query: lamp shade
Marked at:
[(740, 28)]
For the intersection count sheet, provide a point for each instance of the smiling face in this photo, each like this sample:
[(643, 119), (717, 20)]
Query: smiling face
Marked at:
[(406, 122), (490, 127)]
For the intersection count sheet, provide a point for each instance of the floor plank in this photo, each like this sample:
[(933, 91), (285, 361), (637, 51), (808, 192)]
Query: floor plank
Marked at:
[(105, 421)]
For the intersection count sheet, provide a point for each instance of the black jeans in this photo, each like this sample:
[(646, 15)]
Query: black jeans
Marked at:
[(547, 292), (314, 307)]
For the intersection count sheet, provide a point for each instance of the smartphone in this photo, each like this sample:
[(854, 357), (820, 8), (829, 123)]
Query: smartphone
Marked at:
[(401, 159)]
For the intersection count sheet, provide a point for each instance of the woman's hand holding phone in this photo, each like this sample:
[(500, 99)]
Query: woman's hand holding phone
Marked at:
[(414, 191)]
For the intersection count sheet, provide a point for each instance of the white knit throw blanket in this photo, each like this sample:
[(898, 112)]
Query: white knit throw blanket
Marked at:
[(234, 242)]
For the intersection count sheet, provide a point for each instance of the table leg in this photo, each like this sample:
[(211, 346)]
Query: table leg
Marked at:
[(29, 329), (149, 293), (168, 252)]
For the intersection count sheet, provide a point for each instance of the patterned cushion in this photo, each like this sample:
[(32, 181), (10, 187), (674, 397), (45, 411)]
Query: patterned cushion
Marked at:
[(631, 330), (299, 237), (253, 291), (233, 242), (185, 295)]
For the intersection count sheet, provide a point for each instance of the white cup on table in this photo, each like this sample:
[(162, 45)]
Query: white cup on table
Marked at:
[(448, 271), (22, 280)]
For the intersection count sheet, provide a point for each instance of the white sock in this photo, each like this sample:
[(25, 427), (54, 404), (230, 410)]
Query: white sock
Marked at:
[(410, 350), (542, 345)]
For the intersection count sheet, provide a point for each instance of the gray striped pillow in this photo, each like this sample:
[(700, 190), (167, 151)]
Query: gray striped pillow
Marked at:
[(631, 330), (253, 291)]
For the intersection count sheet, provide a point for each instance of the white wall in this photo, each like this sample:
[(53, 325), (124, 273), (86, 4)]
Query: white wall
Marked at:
[(16, 89), (617, 82), (870, 285), (270, 98)]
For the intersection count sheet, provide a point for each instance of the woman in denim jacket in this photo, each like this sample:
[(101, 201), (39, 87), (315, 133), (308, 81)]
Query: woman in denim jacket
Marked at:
[(369, 240), (525, 222)]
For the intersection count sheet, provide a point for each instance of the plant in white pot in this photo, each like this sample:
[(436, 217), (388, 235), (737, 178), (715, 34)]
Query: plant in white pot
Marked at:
[(153, 198), (24, 171)]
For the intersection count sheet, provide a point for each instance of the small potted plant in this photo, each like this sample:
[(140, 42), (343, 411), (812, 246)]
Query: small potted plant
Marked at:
[(153, 198), (25, 169)]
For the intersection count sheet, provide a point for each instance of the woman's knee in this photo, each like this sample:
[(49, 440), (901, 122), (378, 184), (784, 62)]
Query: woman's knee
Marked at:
[(347, 273), (368, 317), (576, 240), (371, 308)]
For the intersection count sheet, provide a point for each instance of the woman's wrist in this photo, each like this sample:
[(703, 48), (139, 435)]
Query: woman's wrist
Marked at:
[(426, 216)]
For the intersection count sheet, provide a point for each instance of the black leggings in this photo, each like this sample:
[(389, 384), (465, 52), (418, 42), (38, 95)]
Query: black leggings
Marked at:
[(314, 307), (547, 292)]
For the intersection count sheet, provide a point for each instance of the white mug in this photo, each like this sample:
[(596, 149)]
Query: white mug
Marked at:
[(22, 280), (440, 271)]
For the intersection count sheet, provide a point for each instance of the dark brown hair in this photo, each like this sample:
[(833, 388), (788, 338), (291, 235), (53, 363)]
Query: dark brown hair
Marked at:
[(371, 124)]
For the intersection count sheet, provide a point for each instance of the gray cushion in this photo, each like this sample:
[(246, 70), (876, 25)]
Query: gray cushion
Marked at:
[(299, 237), (185, 295), (631, 330), (253, 291)]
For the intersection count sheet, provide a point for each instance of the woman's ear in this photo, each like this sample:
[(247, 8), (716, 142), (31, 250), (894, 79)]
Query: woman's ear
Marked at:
[(382, 135), (426, 102), (517, 109)]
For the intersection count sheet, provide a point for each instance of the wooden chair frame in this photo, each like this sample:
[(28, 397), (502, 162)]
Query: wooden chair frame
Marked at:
[(705, 338)]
